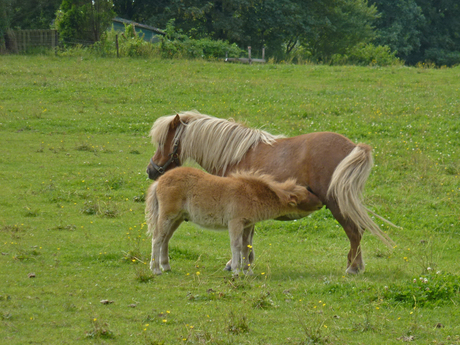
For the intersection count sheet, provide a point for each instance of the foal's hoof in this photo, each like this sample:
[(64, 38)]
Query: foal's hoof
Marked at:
[(157, 271), (236, 273), (228, 268), (248, 272), (354, 270), (166, 267)]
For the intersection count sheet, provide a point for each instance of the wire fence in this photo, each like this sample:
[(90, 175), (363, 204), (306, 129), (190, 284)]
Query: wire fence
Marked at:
[(32, 41), (17, 41), (40, 41)]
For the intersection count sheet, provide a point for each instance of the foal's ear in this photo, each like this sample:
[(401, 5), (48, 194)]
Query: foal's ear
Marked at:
[(175, 122)]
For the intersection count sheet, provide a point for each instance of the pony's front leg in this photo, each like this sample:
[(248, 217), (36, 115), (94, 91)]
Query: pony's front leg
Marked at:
[(235, 229)]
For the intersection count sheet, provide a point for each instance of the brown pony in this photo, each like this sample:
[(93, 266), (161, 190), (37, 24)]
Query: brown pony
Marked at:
[(334, 168), (236, 202)]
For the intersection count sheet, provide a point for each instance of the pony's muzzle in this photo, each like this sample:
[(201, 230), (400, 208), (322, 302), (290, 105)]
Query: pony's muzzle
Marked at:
[(152, 173)]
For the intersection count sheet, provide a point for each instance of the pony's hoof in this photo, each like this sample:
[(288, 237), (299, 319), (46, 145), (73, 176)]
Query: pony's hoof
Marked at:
[(228, 268), (166, 268)]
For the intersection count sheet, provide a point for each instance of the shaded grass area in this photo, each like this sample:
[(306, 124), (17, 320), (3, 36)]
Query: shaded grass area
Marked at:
[(72, 172)]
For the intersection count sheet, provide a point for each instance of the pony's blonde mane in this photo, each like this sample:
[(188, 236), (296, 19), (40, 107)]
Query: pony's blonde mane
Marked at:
[(160, 128), (212, 142), (284, 190)]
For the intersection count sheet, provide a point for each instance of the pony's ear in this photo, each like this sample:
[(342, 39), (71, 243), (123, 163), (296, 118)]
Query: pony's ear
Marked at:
[(175, 122), (293, 201)]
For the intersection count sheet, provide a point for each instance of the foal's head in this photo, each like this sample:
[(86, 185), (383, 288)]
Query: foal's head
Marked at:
[(167, 154), (296, 194)]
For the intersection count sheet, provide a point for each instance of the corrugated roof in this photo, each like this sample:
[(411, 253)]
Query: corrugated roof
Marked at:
[(138, 25)]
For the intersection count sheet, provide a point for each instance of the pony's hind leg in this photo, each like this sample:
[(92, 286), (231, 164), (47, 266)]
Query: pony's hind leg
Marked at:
[(355, 263)]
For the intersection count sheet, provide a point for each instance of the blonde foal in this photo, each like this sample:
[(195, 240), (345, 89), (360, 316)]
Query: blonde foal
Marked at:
[(235, 203)]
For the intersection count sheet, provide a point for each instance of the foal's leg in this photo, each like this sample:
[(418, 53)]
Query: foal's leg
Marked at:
[(355, 262), (252, 255), (246, 251), (164, 254), (235, 229), (161, 234), (248, 236), (156, 247)]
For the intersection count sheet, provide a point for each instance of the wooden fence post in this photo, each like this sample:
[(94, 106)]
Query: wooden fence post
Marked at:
[(249, 54), (116, 44), (263, 53)]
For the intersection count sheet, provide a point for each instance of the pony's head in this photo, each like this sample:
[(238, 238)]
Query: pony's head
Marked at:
[(165, 134), (215, 144)]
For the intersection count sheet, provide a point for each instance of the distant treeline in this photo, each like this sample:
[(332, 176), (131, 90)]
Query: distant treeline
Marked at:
[(318, 30)]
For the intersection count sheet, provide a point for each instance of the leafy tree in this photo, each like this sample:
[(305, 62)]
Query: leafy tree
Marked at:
[(136, 10), (339, 25), (33, 14), (84, 21), (399, 26), (420, 30), (325, 27), (5, 9), (277, 25), (440, 40)]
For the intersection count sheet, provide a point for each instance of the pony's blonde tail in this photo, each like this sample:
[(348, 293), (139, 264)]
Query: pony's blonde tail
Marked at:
[(347, 186), (151, 209)]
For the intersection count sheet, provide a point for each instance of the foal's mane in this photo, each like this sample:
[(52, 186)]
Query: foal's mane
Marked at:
[(212, 142), (284, 190)]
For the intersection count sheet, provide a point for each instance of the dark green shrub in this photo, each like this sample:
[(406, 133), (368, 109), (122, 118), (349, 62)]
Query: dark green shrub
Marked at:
[(442, 57), (367, 55), (177, 45)]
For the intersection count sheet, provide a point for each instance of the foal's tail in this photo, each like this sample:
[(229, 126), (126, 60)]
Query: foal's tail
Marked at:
[(347, 185), (151, 208)]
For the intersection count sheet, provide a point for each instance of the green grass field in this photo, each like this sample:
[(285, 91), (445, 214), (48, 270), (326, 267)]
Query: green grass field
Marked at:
[(74, 149)]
